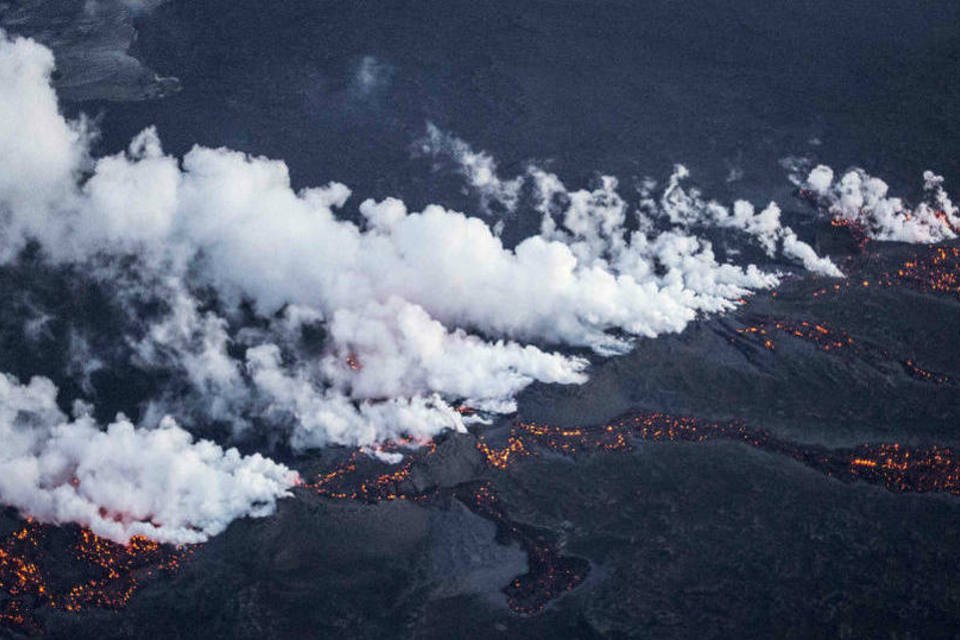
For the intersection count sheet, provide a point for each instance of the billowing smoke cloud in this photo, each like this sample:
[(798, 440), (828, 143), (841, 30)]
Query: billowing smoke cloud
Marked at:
[(277, 313), (41, 152), (123, 481), (402, 299), (862, 199)]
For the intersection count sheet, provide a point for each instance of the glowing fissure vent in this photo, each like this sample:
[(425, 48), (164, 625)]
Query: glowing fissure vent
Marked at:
[(896, 467), (551, 573)]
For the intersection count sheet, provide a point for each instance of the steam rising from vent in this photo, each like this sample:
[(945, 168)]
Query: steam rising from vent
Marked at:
[(421, 311), (857, 197), (124, 481)]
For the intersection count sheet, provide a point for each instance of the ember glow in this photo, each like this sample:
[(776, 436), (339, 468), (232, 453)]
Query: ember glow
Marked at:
[(831, 340), (502, 457), (103, 574), (824, 338), (550, 574), (857, 230), (304, 322), (862, 200), (919, 373), (936, 271), (892, 466), (351, 480)]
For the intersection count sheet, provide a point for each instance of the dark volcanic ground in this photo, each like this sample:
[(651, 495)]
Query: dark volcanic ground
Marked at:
[(776, 526), (775, 511)]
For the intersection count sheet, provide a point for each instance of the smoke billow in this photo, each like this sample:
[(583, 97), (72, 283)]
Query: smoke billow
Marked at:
[(121, 481), (861, 198), (268, 310)]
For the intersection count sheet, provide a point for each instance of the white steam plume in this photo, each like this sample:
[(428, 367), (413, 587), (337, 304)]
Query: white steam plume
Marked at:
[(416, 312), (402, 299), (593, 221), (479, 168), (124, 481), (862, 199)]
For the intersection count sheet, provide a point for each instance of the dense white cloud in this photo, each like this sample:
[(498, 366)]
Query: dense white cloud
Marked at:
[(861, 198), (123, 481), (407, 297), (40, 152), (417, 312)]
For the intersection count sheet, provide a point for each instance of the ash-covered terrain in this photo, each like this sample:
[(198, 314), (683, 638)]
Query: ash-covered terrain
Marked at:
[(621, 320)]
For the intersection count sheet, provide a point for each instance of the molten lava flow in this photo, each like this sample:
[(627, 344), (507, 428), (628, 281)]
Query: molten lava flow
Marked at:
[(549, 574), (925, 375), (891, 465), (21, 579), (120, 567), (908, 470), (937, 271), (351, 480), (111, 572), (501, 458)]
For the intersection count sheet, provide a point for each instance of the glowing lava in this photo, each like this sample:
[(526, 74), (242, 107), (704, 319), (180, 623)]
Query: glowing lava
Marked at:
[(935, 270), (109, 573), (856, 228), (355, 478), (824, 338), (892, 465), (551, 573), (828, 339)]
